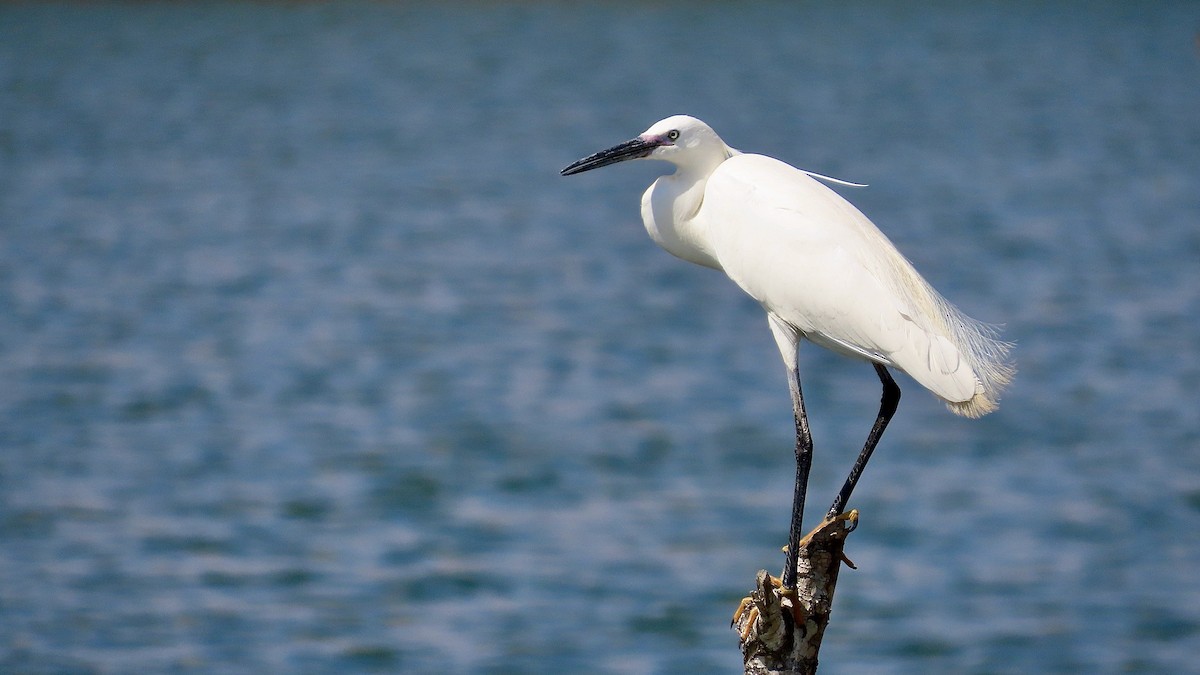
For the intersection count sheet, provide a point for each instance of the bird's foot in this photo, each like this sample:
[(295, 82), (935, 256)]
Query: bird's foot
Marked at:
[(751, 618), (749, 605), (746, 606), (759, 613), (851, 519)]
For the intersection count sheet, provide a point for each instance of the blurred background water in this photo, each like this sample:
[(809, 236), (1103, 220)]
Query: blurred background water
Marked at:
[(311, 361)]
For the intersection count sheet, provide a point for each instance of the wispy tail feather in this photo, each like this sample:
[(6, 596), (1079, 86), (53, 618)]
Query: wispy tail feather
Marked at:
[(987, 356)]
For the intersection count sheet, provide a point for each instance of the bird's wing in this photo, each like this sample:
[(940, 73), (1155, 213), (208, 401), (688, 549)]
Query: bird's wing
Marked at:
[(812, 259)]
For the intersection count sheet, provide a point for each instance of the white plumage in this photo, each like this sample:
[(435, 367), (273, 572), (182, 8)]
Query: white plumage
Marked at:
[(821, 270), (817, 265)]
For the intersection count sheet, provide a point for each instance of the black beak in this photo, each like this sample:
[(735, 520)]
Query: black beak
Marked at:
[(634, 149)]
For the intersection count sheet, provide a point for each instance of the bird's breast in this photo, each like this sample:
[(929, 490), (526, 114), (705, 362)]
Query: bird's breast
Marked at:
[(669, 210)]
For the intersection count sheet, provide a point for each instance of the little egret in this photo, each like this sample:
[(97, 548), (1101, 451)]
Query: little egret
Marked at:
[(821, 270)]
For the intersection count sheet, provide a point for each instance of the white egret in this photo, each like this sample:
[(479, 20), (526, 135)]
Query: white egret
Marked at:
[(821, 270)]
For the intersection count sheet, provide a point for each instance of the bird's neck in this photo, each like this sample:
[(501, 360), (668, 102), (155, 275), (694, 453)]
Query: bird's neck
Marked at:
[(669, 211)]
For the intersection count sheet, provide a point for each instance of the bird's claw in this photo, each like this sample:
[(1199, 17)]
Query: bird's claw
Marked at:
[(850, 517), (751, 619), (748, 607), (748, 601)]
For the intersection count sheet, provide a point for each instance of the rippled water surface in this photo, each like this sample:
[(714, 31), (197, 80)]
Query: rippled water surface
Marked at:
[(311, 361)]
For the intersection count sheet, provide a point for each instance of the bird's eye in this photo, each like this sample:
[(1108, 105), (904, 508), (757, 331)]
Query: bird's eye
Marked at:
[(673, 135)]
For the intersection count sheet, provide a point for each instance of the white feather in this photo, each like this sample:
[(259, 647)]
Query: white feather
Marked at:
[(819, 265)]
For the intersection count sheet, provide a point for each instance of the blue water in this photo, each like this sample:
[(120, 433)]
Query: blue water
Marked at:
[(311, 361)]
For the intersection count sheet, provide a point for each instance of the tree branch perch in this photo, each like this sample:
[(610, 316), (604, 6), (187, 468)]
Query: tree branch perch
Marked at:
[(780, 634)]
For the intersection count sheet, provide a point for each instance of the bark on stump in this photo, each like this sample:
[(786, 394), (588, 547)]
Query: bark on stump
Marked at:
[(781, 635)]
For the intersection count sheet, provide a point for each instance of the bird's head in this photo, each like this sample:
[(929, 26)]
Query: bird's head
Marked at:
[(681, 140)]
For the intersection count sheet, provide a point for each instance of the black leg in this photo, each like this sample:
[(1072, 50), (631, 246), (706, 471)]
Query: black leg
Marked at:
[(887, 408), (804, 450)]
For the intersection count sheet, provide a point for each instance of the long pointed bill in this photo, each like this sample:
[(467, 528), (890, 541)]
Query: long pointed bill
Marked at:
[(634, 149)]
